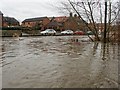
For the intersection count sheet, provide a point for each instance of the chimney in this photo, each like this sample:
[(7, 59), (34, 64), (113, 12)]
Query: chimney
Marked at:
[(75, 15), (71, 14)]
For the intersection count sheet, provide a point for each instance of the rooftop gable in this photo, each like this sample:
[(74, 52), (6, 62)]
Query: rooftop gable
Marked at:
[(34, 19), (54, 23), (10, 19)]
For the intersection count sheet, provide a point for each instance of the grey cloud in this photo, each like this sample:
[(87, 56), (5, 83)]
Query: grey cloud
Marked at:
[(21, 9)]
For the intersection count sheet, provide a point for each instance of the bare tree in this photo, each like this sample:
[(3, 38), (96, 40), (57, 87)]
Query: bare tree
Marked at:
[(102, 12)]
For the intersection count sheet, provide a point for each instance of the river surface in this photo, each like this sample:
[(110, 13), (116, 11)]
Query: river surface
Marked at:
[(58, 62)]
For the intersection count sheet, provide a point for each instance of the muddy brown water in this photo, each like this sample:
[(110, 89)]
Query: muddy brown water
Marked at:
[(58, 62)]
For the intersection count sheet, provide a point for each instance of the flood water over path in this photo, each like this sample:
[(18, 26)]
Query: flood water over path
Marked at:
[(58, 62)]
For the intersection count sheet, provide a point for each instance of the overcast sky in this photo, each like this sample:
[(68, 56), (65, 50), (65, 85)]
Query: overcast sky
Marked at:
[(22, 9)]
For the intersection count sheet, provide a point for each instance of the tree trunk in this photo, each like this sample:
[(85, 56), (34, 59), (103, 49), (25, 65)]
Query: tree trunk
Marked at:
[(105, 22)]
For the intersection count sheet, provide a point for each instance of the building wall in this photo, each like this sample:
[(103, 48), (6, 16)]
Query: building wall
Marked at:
[(9, 23), (31, 24), (6, 24), (99, 26), (1, 20), (67, 23), (44, 23), (28, 24), (70, 24), (61, 19), (73, 24)]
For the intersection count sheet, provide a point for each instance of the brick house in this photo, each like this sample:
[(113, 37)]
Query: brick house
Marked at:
[(10, 22), (99, 26), (74, 23), (1, 19), (10, 26), (63, 23), (40, 22), (57, 23)]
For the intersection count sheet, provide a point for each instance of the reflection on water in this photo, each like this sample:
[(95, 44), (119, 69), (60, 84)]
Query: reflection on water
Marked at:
[(67, 62)]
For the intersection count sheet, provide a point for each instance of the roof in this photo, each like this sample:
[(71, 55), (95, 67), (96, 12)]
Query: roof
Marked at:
[(75, 19), (10, 19), (50, 18), (54, 23), (34, 19), (61, 19), (1, 13)]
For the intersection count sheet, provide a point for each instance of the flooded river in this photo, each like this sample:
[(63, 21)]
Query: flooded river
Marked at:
[(58, 62)]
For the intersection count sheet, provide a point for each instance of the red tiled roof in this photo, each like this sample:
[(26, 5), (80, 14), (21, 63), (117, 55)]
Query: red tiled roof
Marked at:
[(61, 19), (54, 23)]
